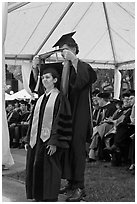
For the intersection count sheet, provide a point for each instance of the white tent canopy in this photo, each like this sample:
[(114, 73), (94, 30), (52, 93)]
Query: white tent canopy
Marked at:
[(23, 94), (105, 32), (8, 97)]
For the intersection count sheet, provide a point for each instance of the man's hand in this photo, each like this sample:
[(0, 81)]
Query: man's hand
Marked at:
[(68, 55), (52, 149), (26, 147)]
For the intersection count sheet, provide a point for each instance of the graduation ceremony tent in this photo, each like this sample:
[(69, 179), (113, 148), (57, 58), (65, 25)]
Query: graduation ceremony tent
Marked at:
[(22, 94), (8, 97), (105, 32)]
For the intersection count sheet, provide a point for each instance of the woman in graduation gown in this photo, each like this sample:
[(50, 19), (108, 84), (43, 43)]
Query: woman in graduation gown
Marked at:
[(48, 136)]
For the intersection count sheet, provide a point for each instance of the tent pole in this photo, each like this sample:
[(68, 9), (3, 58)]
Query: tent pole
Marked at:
[(55, 26), (117, 74), (109, 31), (15, 6)]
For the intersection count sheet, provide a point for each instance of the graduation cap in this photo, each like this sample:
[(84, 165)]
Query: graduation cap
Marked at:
[(104, 95), (54, 68), (117, 101), (65, 39), (68, 40), (127, 94)]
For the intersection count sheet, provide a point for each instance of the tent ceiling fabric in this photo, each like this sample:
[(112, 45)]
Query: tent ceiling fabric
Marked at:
[(28, 27)]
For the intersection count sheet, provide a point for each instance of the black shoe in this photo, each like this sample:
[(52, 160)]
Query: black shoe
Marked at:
[(65, 189), (77, 195), (132, 167), (15, 146), (91, 160), (21, 146), (111, 149)]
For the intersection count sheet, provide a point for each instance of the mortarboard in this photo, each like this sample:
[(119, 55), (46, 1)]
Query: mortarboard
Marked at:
[(105, 95), (65, 39), (127, 94), (117, 101)]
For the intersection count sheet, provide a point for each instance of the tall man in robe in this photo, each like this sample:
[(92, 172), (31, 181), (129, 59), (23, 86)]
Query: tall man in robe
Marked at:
[(81, 77)]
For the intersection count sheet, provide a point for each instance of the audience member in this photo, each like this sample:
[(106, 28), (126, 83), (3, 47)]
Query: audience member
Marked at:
[(132, 129), (95, 106), (23, 122), (106, 110), (120, 146), (13, 119)]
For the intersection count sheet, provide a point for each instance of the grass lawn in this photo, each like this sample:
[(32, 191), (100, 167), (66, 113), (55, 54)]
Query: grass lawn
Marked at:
[(104, 183)]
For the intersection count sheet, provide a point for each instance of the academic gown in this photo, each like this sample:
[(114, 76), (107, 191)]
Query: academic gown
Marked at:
[(123, 131), (80, 85), (44, 172), (79, 88)]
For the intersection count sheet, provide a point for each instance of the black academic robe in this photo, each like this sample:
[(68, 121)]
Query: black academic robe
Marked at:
[(24, 116), (105, 112), (123, 129), (80, 84), (79, 88), (13, 118), (22, 129), (44, 172)]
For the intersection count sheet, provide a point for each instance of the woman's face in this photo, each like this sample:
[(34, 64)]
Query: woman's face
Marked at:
[(48, 80)]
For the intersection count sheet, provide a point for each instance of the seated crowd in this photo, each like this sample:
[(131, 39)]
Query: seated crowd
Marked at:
[(113, 137), (18, 116)]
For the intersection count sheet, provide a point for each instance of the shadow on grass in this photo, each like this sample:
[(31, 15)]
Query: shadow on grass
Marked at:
[(103, 183)]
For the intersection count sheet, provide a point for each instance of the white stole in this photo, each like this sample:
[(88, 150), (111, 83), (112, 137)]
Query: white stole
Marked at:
[(47, 118)]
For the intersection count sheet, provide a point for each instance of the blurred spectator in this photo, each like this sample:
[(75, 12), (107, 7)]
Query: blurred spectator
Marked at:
[(9, 108), (22, 121), (132, 129), (13, 119), (17, 106), (95, 106), (120, 147), (25, 124), (105, 111)]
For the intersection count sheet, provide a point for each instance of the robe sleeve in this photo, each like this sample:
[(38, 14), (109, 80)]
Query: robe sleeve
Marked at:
[(27, 138), (32, 85), (32, 82), (61, 133), (85, 75), (126, 118)]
